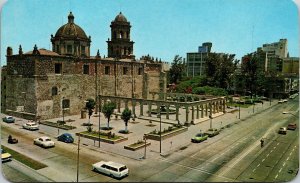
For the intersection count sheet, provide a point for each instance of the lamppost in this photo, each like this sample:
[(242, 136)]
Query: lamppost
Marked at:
[(78, 157), (159, 129), (63, 109), (99, 100), (145, 139), (239, 109), (253, 105)]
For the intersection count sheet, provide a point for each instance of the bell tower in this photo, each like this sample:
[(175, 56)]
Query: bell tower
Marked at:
[(120, 45)]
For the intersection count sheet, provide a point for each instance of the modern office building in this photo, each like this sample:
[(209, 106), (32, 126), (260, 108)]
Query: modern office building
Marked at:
[(196, 60)]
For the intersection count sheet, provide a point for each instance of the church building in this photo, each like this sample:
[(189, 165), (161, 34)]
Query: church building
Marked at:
[(40, 83)]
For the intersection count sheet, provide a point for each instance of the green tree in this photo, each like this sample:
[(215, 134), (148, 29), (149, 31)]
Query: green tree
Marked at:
[(251, 73), (90, 106), (126, 114), (220, 69), (177, 70), (108, 110)]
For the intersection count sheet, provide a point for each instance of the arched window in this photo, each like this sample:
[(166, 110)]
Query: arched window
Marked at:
[(54, 91), (121, 34)]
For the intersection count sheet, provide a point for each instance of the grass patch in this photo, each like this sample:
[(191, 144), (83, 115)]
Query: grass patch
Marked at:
[(102, 135), (24, 159), (64, 127)]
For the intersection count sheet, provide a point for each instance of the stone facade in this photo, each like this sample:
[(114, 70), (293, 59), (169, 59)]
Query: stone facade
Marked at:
[(38, 83)]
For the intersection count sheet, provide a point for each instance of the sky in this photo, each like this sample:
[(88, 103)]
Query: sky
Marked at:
[(161, 28)]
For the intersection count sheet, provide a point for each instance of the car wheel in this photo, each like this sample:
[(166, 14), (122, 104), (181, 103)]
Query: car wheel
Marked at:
[(112, 175)]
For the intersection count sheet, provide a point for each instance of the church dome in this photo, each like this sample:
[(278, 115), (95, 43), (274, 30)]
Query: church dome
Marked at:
[(71, 30), (120, 18)]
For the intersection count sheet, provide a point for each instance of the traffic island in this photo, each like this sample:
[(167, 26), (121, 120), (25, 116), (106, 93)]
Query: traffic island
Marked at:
[(166, 133), (107, 137), (137, 145), (56, 125)]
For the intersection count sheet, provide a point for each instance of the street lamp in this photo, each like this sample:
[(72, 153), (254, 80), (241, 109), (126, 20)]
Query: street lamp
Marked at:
[(145, 138), (210, 117), (78, 157), (99, 100), (240, 109), (159, 129)]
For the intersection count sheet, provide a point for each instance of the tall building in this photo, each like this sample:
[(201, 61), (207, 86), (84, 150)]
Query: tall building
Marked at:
[(196, 63), (41, 83)]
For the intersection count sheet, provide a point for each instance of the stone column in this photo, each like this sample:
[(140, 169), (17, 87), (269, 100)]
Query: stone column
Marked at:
[(206, 108), (133, 108), (149, 109), (119, 106), (141, 108), (187, 114), (177, 112), (217, 106), (214, 107), (202, 111), (224, 106), (197, 108), (168, 111), (210, 108), (193, 114)]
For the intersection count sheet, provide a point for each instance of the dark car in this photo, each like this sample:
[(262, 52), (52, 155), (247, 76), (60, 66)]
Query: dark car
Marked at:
[(8, 119), (292, 126), (66, 137)]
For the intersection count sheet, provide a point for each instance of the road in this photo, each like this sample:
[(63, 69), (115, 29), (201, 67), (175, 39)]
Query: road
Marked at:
[(234, 155)]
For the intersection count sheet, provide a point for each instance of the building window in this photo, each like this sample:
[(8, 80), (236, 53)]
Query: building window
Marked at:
[(54, 91), (65, 103), (140, 71), (107, 70), (125, 70), (82, 50), (69, 49), (58, 68), (86, 69)]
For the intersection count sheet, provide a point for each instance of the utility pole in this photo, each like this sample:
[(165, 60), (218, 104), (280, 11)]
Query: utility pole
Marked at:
[(78, 157)]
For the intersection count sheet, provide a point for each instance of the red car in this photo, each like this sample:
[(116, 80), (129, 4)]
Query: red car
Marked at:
[(292, 126)]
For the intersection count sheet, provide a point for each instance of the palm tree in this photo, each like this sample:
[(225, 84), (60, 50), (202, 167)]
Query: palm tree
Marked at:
[(108, 110), (90, 106), (126, 114)]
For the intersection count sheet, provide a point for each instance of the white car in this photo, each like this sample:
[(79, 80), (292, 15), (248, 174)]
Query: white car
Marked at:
[(31, 126), (44, 142), (110, 168)]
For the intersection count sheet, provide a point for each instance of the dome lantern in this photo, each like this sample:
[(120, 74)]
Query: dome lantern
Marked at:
[(71, 18)]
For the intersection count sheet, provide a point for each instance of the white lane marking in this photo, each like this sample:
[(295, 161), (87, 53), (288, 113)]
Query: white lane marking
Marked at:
[(276, 176), (271, 151), (263, 160), (258, 165), (283, 164), (268, 154), (274, 147), (254, 170), (290, 153), (280, 169), (278, 143), (288, 158)]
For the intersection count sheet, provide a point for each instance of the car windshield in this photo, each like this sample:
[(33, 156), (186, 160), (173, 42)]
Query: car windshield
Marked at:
[(199, 135), (3, 151), (47, 139), (122, 168)]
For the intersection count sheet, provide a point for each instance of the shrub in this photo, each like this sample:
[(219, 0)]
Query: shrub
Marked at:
[(89, 129)]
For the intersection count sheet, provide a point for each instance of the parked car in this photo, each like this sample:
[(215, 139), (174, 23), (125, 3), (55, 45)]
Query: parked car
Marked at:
[(212, 132), (11, 140), (8, 119), (199, 137), (292, 126), (110, 168), (44, 142), (31, 126), (5, 156), (66, 137), (282, 130)]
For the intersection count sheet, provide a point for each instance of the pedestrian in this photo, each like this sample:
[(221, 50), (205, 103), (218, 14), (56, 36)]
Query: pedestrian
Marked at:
[(262, 142)]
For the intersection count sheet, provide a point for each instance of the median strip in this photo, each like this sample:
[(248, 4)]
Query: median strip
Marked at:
[(24, 159)]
